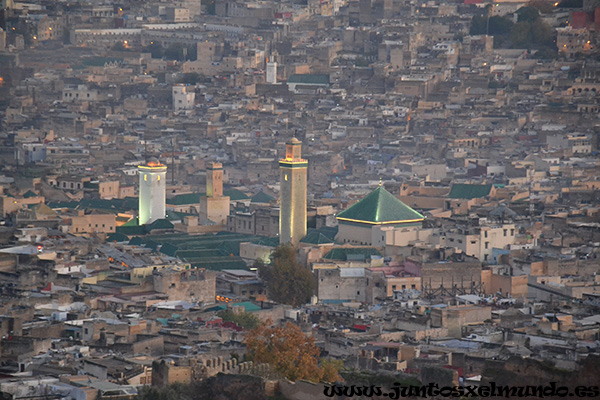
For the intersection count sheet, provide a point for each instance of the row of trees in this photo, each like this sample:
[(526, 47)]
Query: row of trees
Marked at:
[(529, 32), (175, 51), (285, 348), (287, 351)]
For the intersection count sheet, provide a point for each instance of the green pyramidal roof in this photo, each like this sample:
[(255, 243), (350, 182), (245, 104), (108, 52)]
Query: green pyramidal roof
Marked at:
[(380, 207)]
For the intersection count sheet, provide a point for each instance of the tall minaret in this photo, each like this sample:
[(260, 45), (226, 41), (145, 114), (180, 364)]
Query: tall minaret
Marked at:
[(214, 206), (153, 191), (292, 212), (271, 72), (214, 179)]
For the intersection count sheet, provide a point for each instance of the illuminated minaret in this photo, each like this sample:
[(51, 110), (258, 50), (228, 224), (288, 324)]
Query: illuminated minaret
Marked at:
[(292, 212), (153, 191)]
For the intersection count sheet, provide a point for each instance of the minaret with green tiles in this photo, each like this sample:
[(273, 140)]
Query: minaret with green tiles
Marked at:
[(292, 211)]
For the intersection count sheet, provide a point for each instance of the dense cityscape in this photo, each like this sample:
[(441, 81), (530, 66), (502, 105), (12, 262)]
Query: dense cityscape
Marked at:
[(229, 199)]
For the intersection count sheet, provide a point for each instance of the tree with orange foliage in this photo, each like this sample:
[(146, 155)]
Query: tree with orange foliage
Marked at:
[(289, 353)]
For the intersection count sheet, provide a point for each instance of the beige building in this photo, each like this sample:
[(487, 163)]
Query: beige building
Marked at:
[(109, 190), (92, 223), (480, 242), (10, 204)]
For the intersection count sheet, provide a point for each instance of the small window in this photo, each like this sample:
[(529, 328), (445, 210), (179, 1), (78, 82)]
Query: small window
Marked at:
[(158, 177), (487, 244), (285, 177), (145, 177), (506, 230)]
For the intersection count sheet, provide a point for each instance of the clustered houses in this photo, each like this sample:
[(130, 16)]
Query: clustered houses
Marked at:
[(441, 183)]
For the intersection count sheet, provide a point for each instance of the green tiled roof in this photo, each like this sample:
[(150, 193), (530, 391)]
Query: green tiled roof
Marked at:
[(63, 204), (114, 205), (132, 222), (160, 224), (316, 238), (136, 241), (151, 244), (215, 252), (380, 207), (131, 230), (176, 215), (342, 254), (117, 237), (309, 79), (468, 191), (235, 194), (168, 249), (218, 263), (262, 197), (187, 198)]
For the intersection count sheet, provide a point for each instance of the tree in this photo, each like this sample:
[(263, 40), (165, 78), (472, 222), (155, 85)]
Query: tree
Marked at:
[(191, 78), (210, 6), (289, 353), (571, 4), (528, 14), (495, 26), (287, 281), (478, 25), (175, 391), (543, 6), (119, 46), (155, 49), (244, 319), (542, 34), (521, 34), (500, 25)]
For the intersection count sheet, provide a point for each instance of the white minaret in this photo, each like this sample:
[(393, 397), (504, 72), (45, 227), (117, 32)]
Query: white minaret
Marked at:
[(153, 191), (272, 73)]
